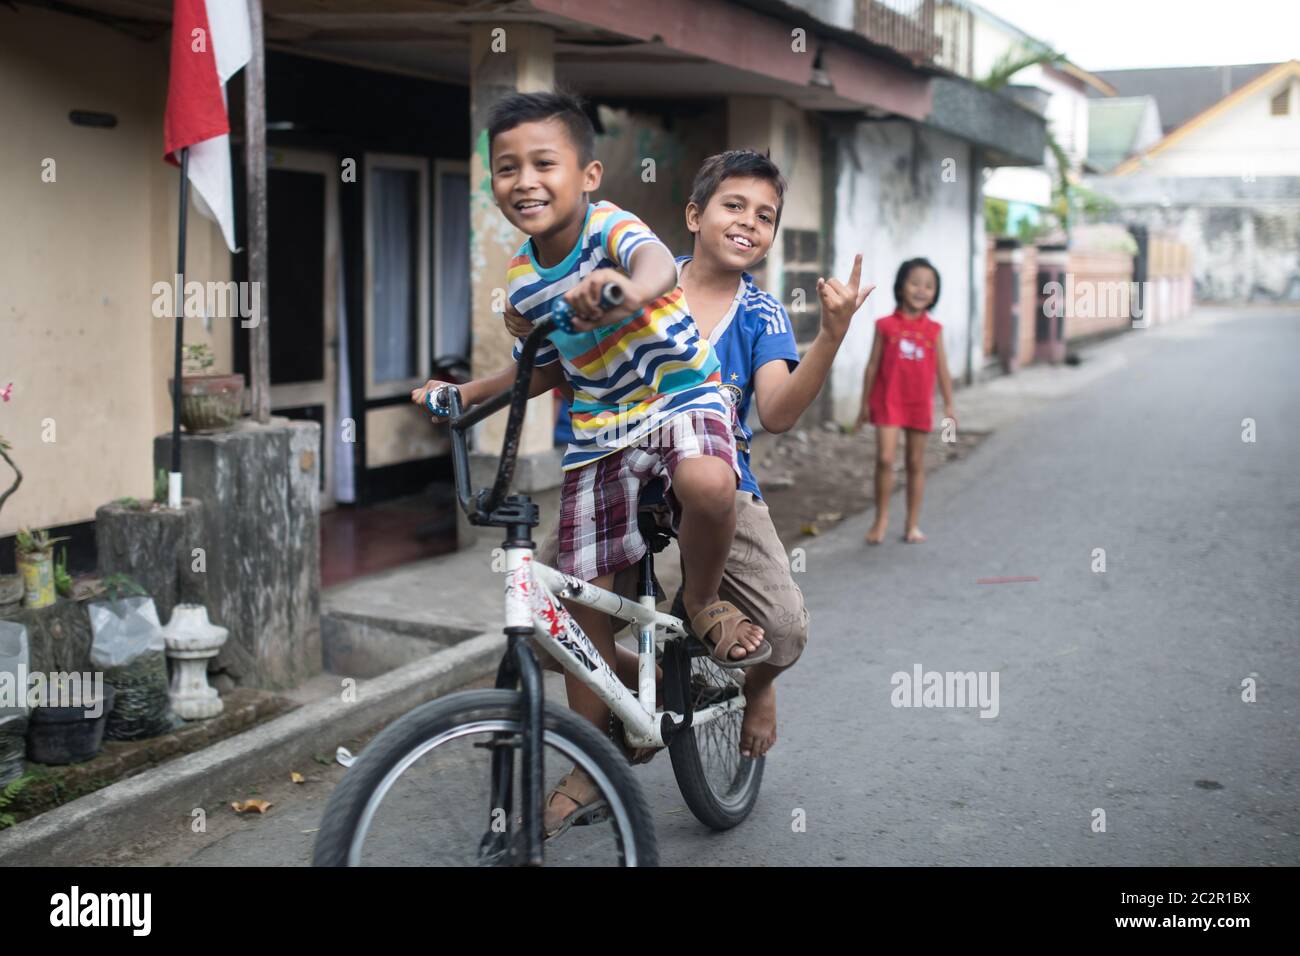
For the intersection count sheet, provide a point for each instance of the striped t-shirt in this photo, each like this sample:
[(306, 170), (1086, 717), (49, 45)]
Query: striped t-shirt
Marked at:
[(630, 378)]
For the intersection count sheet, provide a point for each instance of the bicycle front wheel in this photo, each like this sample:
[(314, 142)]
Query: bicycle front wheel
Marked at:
[(440, 787)]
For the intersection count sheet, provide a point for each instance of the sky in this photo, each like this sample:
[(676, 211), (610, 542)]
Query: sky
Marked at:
[(1119, 34)]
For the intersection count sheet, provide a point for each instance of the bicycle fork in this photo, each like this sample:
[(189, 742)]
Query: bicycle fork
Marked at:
[(519, 668)]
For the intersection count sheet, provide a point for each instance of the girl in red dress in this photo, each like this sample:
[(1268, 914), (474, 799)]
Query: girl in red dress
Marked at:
[(898, 391)]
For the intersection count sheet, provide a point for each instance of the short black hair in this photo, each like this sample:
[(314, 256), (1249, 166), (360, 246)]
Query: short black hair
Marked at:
[(519, 108), (736, 162), (906, 269)]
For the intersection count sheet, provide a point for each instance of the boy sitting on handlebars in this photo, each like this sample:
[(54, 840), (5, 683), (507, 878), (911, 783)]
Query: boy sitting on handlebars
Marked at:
[(646, 400)]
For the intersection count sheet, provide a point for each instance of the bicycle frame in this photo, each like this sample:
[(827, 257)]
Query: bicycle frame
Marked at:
[(532, 593), (533, 608)]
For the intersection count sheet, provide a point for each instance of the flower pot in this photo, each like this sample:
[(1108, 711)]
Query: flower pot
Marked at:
[(210, 403), (36, 568), (61, 735)]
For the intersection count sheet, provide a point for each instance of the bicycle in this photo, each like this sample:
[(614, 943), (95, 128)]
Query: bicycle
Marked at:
[(703, 703)]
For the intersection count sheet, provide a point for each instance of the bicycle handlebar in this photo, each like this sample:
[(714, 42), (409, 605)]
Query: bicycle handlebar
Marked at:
[(477, 506)]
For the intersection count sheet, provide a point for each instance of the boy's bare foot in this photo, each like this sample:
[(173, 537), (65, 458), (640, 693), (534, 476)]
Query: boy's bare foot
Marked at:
[(758, 730), (877, 533), (914, 536), (749, 636)]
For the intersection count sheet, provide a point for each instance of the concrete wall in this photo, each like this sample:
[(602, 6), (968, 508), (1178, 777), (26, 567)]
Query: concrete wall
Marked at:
[(78, 257), (1244, 235), (793, 138), (631, 137), (892, 204)]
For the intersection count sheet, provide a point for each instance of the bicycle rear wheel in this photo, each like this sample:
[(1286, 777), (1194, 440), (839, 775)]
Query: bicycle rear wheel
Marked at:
[(717, 783), (422, 792)]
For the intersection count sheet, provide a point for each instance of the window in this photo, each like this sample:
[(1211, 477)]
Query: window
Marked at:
[(1281, 104), (397, 274), (801, 262), (451, 259)]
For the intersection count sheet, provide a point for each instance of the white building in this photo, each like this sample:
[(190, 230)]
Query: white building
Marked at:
[(1226, 181)]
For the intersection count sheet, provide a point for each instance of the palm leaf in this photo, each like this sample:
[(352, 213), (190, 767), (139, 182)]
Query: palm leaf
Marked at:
[(1016, 59)]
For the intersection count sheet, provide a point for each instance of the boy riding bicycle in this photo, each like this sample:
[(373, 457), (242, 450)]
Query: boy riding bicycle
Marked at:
[(646, 399)]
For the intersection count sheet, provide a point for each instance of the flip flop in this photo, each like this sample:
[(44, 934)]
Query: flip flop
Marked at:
[(720, 614), (581, 789)]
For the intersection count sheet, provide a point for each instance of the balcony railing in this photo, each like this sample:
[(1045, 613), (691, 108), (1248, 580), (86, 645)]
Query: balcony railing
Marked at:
[(931, 32)]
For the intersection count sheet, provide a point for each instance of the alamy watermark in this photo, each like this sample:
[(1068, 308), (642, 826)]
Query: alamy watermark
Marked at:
[(946, 689), (1088, 299), (217, 300), (54, 689)]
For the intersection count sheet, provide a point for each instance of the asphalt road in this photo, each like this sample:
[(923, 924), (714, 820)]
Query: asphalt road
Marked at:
[(1118, 691)]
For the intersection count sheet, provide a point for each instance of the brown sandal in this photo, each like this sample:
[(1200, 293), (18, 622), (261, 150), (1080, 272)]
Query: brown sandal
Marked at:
[(581, 789), (720, 614)]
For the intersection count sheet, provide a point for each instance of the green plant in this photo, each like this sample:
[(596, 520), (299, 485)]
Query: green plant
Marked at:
[(1015, 59), (6, 394), (995, 216), (62, 580), (127, 502), (1004, 68), (10, 794), (119, 585), (35, 542), (160, 487), (198, 358)]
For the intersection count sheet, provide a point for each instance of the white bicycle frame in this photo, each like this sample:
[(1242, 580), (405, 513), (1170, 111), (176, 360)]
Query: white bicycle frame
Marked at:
[(533, 591)]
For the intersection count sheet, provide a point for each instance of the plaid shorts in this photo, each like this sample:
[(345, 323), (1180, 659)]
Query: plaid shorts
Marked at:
[(597, 530)]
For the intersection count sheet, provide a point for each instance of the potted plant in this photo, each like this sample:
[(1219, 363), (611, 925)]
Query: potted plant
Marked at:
[(209, 402), (11, 585), (34, 554), (68, 734)]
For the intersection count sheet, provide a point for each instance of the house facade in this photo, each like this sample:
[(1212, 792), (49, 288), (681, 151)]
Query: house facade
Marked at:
[(386, 254), (1226, 181)]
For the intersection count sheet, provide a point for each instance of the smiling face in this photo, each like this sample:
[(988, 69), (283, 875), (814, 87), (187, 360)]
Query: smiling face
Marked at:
[(919, 290), (738, 223), (538, 179)]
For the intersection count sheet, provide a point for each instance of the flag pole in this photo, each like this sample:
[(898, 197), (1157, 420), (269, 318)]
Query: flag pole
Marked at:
[(174, 479)]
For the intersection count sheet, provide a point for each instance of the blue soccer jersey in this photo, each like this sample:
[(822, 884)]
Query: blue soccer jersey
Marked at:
[(756, 330)]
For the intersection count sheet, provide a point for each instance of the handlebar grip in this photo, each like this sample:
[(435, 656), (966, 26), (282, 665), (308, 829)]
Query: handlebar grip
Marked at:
[(441, 407), (611, 296)]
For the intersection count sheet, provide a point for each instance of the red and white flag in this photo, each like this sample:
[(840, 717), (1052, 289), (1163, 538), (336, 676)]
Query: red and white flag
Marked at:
[(210, 44)]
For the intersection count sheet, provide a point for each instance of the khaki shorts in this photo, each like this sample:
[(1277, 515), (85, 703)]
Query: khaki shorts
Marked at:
[(757, 579)]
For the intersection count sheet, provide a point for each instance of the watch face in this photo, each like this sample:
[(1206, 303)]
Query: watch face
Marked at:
[(731, 394)]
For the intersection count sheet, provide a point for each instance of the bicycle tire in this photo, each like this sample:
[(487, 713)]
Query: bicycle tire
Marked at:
[(715, 808), (348, 803)]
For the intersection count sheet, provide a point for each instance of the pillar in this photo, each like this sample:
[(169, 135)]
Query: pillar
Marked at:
[(506, 57), (1007, 258)]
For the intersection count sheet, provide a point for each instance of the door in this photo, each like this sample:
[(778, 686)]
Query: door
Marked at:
[(303, 274)]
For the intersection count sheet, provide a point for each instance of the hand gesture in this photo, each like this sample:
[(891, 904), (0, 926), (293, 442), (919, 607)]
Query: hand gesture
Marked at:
[(840, 300)]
